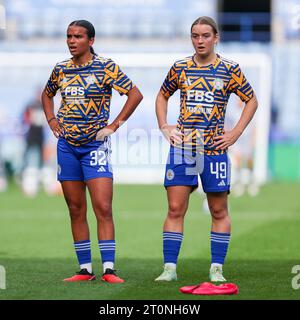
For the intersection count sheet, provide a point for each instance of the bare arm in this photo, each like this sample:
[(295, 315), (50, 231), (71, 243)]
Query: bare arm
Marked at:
[(169, 131), (48, 106), (134, 97), (230, 137), (161, 109)]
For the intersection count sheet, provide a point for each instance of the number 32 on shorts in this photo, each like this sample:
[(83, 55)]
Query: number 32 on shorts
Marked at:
[(219, 169), (98, 157)]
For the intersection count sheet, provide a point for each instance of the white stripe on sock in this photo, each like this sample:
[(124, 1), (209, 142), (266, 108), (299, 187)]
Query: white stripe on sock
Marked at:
[(170, 236), (213, 236), (82, 244), (219, 241), (88, 246), (218, 236)]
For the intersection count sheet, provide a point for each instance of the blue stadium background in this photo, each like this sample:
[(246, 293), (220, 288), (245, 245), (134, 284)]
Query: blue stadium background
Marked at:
[(158, 26)]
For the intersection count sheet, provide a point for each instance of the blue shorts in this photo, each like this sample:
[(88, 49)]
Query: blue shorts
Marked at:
[(184, 166), (89, 161)]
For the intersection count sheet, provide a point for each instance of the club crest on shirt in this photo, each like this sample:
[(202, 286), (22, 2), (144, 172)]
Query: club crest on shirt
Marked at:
[(218, 84), (170, 174), (90, 79)]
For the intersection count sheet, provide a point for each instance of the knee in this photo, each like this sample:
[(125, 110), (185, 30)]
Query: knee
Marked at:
[(176, 210), (77, 211), (218, 212), (103, 211)]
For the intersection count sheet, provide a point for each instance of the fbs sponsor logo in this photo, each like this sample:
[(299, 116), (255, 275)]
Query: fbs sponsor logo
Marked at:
[(200, 96), (170, 174), (74, 91)]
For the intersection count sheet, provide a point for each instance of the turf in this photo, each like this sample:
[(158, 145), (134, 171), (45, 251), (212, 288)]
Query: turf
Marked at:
[(37, 253)]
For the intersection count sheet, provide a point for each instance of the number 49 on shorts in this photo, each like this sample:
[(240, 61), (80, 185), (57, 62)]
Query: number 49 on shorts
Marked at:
[(219, 169)]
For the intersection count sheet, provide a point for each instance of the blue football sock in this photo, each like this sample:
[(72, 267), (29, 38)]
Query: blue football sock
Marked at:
[(219, 246), (171, 246), (107, 251), (83, 252)]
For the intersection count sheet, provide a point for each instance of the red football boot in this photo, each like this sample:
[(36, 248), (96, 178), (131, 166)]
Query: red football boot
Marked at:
[(82, 275), (207, 288), (110, 276), (190, 289)]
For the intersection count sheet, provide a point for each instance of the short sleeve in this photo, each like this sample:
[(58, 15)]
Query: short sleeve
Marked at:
[(239, 85), (52, 84), (170, 85), (115, 78)]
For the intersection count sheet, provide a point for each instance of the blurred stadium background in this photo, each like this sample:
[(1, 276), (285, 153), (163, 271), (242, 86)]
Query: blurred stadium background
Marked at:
[(145, 38)]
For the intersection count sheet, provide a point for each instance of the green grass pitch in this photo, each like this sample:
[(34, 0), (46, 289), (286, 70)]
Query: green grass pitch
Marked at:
[(37, 252)]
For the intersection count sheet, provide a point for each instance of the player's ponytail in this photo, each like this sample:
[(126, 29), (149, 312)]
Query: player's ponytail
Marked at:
[(90, 30)]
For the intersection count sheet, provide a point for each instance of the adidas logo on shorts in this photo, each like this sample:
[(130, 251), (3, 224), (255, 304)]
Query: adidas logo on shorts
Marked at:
[(222, 184)]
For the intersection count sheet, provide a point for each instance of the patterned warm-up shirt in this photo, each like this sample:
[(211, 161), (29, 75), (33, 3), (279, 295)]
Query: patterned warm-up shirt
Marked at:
[(204, 94), (86, 92)]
